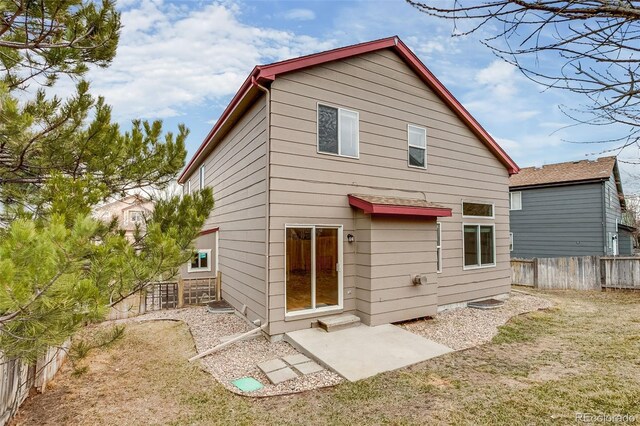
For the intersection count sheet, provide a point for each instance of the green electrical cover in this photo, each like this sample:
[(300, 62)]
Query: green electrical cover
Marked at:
[(247, 384)]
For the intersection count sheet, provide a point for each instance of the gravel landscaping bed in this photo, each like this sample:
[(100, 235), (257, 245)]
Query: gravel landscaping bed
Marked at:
[(240, 359), (463, 328)]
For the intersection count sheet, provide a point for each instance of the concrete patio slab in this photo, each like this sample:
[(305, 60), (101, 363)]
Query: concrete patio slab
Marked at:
[(360, 352)]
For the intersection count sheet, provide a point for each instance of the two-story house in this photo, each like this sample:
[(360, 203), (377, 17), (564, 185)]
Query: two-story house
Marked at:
[(569, 209), (130, 212), (352, 181)]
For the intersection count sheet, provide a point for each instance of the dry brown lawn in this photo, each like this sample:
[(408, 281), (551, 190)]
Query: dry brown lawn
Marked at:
[(542, 368)]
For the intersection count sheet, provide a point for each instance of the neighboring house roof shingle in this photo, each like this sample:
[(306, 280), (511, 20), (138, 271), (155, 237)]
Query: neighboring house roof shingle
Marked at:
[(265, 74), (572, 171)]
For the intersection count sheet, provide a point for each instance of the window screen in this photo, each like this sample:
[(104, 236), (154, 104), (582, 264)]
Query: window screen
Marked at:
[(327, 129)]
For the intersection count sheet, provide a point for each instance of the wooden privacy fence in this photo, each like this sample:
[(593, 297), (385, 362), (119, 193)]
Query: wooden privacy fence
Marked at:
[(17, 378), (620, 272), (577, 273), (169, 295)]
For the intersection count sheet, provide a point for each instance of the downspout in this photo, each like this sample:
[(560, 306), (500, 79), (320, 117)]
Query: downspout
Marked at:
[(604, 218), (267, 213)]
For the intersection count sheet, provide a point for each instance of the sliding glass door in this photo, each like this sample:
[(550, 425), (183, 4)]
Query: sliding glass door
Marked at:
[(313, 268)]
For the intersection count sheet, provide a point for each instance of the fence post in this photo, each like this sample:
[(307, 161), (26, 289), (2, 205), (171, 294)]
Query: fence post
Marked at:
[(535, 272), (219, 286), (180, 292)]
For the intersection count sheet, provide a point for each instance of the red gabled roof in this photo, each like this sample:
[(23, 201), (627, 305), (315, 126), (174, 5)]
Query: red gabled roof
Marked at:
[(265, 74)]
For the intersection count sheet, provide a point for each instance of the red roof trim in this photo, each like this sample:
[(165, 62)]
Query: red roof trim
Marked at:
[(267, 73), (272, 70), (456, 106), (208, 231), (371, 208), (240, 94)]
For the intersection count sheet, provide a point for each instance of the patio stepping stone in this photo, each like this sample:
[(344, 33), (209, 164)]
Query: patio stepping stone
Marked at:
[(309, 367), (271, 365), (296, 359), (282, 375), (247, 384)]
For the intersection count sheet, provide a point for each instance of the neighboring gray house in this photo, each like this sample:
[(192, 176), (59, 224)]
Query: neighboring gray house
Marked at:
[(569, 209)]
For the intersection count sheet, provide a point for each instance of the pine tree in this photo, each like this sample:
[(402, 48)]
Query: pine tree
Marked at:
[(59, 158)]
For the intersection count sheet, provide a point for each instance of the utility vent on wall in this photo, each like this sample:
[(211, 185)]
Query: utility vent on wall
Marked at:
[(419, 279)]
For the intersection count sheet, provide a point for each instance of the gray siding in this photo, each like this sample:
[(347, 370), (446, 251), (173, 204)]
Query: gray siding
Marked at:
[(625, 243), (308, 187), (236, 171), (558, 221), (204, 242), (384, 292)]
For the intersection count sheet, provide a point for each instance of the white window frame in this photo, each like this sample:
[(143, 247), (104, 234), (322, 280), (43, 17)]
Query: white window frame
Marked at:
[(201, 177), (207, 269), (189, 186), (340, 305), (409, 126), (510, 241), (438, 247), (479, 266), (493, 209), (513, 195), (130, 219), (339, 154)]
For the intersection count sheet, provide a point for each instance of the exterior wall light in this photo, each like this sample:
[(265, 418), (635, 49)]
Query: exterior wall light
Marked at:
[(350, 238)]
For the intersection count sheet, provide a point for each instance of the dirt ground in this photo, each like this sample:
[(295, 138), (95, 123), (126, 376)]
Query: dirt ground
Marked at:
[(582, 356)]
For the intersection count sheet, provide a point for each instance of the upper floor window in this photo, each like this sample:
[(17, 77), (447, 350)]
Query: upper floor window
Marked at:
[(338, 131), (136, 216), (189, 187), (477, 210), (515, 201), (202, 177), (417, 139)]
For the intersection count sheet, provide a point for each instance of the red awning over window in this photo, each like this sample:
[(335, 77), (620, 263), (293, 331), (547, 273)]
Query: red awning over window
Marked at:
[(378, 204)]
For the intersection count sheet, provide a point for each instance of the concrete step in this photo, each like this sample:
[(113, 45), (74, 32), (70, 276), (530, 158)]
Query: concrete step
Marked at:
[(338, 322)]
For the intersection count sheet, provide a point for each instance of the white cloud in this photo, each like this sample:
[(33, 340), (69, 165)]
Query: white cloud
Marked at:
[(171, 58), (300, 15), (500, 77)]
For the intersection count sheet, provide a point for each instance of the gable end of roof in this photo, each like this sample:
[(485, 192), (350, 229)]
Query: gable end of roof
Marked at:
[(265, 74)]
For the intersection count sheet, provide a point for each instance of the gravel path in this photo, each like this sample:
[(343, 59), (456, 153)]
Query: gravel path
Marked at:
[(457, 328), (466, 327), (241, 358)]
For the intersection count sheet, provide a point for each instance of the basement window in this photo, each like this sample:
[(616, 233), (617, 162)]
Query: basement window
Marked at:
[(201, 261), (338, 130)]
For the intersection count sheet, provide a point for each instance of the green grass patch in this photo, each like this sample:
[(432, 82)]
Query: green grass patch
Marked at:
[(526, 328)]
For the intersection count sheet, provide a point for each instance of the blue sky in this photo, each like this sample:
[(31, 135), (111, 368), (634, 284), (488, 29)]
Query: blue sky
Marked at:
[(183, 60)]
